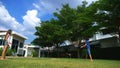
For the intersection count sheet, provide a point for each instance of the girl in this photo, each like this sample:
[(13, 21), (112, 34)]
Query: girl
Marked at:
[(7, 43)]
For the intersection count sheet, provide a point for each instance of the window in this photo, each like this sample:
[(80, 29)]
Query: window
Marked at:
[(15, 44), (21, 44), (1, 40)]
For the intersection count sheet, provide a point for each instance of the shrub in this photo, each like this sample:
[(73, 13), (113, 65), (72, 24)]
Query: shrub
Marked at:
[(1, 51), (8, 53), (35, 53)]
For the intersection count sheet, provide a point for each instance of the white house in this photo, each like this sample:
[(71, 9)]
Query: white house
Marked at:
[(17, 41)]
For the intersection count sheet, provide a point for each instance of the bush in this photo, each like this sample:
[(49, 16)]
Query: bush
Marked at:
[(35, 53), (8, 53), (1, 51)]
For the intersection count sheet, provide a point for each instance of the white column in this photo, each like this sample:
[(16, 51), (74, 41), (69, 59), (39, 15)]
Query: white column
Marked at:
[(2, 37), (11, 39), (26, 52), (18, 48)]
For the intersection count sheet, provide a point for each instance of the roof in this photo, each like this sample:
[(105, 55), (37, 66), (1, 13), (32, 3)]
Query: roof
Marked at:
[(15, 33), (3, 32), (31, 46)]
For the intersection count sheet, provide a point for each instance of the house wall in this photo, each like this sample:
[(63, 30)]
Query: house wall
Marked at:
[(17, 41), (19, 46), (15, 37), (109, 42), (14, 45)]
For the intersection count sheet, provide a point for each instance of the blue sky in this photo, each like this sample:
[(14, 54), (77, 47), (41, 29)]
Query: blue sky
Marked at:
[(23, 15)]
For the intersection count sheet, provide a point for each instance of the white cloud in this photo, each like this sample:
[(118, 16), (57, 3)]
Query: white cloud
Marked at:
[(30, 20), (7, 20)]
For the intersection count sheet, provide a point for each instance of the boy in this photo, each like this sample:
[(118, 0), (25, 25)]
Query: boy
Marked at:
[(87, 45)]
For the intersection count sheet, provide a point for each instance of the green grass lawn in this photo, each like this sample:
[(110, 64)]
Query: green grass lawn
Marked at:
[(57, 63)]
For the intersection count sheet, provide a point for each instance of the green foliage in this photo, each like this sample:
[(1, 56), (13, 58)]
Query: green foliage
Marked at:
[(8, 53), (66, 16), (49, 33), (77, 23), (35, 53), (72, 24), (77, 20), (109, 14), (1, 51)]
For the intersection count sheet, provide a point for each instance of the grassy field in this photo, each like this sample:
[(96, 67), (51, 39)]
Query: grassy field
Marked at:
[(57, 63)]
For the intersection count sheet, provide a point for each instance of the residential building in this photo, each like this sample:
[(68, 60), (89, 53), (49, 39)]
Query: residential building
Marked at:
[(17, 41), (104, 45), (31, 50)]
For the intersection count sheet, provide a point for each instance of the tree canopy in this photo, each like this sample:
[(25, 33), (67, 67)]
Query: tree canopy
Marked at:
[(78, 23), (108, 14)]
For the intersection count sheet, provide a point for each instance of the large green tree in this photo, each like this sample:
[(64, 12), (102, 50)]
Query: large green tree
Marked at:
[(86, 19), (85, 22), (50, 34), (72, 24), (77, 21)]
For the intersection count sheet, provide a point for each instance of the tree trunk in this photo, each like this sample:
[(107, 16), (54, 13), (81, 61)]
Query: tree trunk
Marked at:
[(48, 53), (78, 52), (57, 51), (78, 49)]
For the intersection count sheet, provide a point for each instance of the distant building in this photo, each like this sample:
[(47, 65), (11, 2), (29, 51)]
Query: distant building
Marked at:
[(105, 39), (104, 45), (17, 41), (30, 50)]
